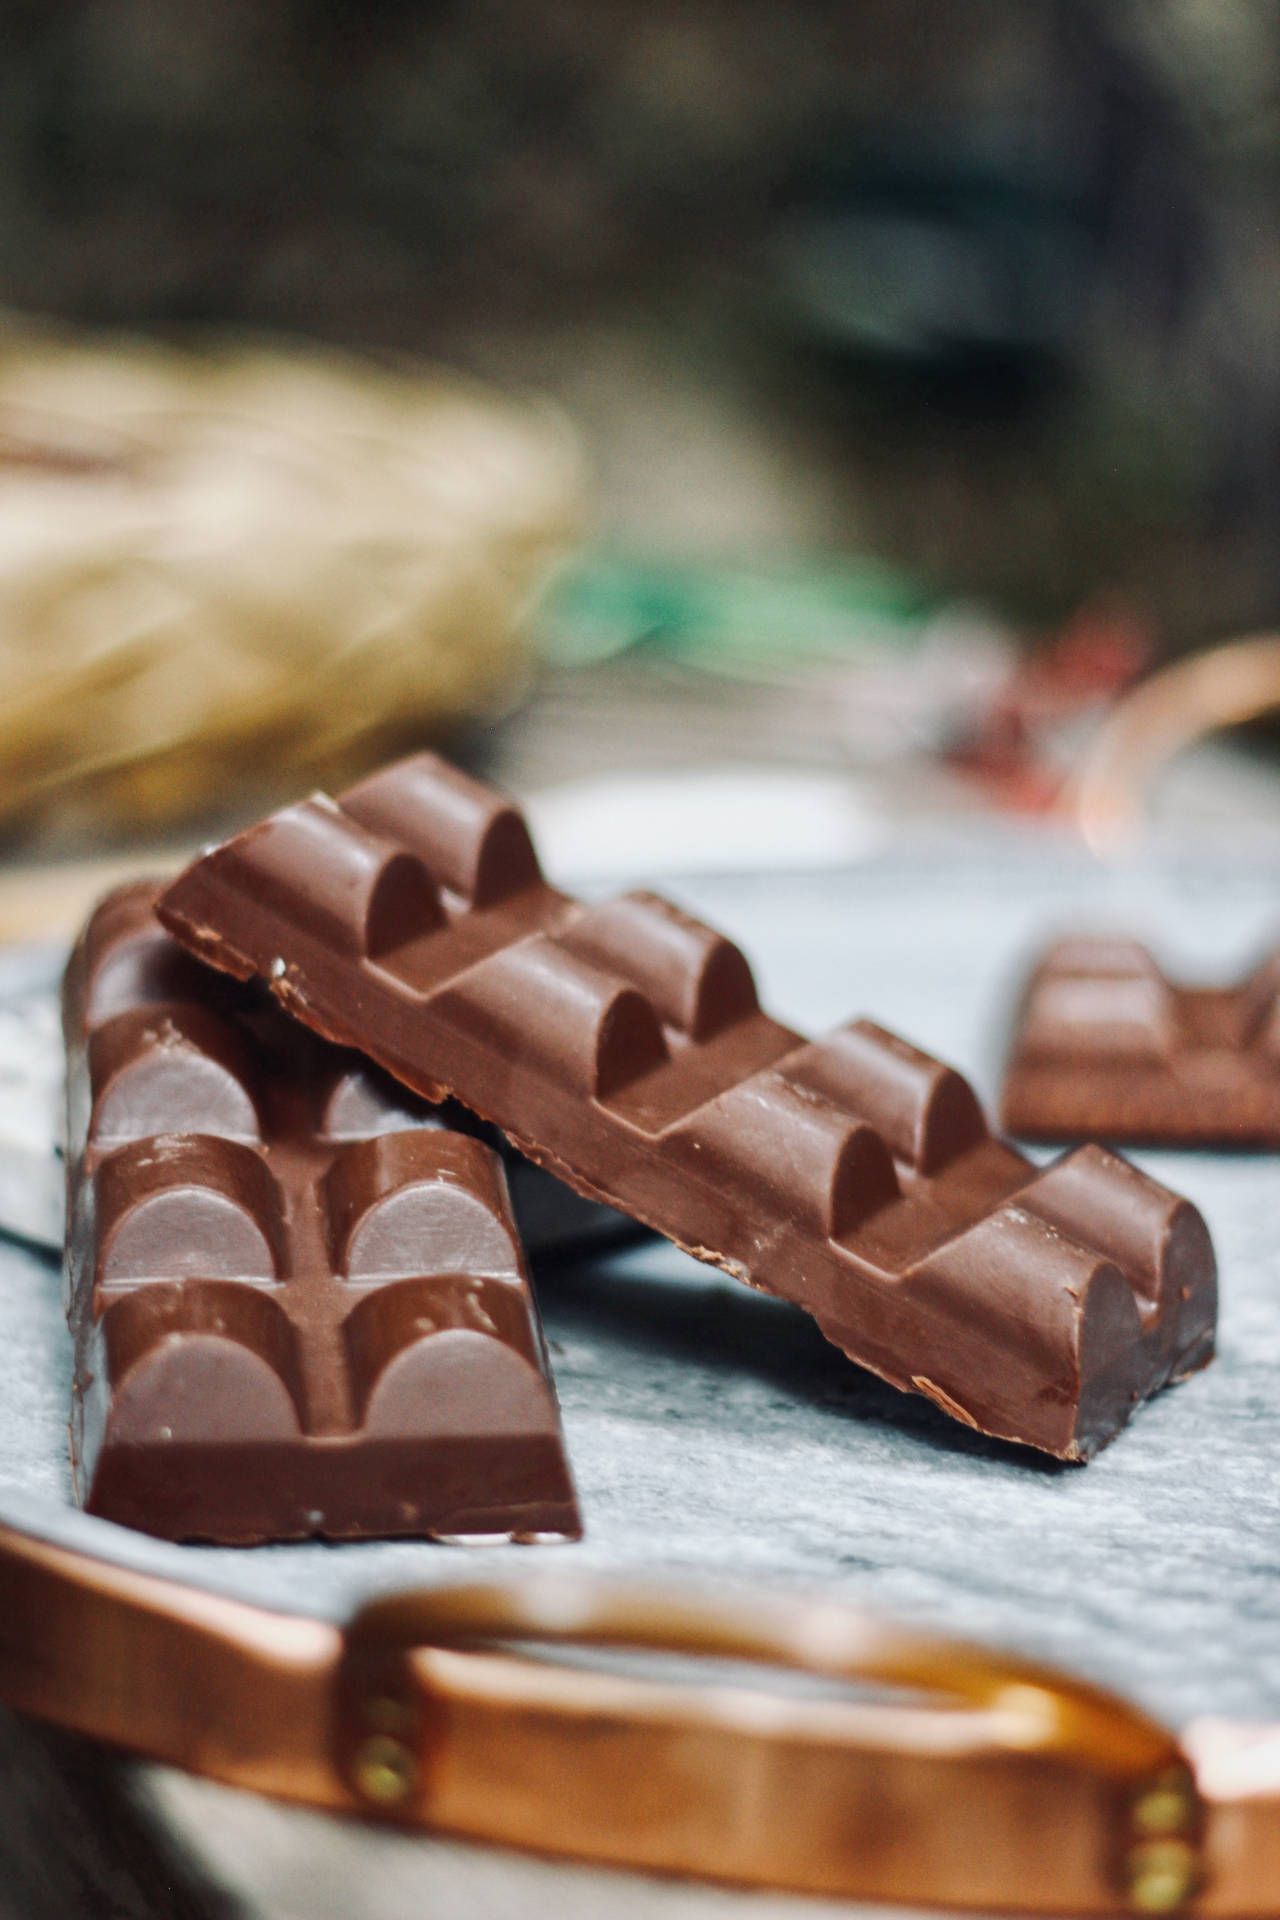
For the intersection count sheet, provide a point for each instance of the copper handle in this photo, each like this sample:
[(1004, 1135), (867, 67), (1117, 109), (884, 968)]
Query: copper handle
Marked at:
[(1004, 1775), (994, 1785)]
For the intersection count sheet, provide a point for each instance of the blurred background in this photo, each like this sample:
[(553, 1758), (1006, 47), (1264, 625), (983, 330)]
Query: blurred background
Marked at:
[(835, 420)]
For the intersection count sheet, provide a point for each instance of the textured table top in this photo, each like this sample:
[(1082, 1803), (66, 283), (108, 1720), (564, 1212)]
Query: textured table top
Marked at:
[(715, 1434)]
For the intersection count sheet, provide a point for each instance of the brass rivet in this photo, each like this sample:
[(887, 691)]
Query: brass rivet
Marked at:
[(1162, 1875), (1163, 1811), (384, 1770)]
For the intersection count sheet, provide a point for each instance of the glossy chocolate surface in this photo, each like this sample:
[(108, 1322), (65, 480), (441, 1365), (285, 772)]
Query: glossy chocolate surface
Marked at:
[(1107, 1045), (622, 1046), (296, 1308)]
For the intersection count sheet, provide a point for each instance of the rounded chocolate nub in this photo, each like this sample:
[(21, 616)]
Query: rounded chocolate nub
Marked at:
[(329, 877), (460, 1384), (130, 961), (819, 1170), (697, 981), (402, 1204), (1105, 956), (363, 1101), (203, 1362), (473, 841), (124, 914), (186, 1204), (564, 1016), (447, 1365), (1031, 1333), (1129, 1016), (150, 970), (171, 1069), (926, 1114), (1158, 1240)]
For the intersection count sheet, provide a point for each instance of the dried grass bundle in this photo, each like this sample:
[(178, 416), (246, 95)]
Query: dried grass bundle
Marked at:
[(232, 566)]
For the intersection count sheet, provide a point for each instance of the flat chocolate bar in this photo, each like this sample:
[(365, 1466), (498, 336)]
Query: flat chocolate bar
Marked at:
[(1106, 1045), (622, 1046), (293, 1313)]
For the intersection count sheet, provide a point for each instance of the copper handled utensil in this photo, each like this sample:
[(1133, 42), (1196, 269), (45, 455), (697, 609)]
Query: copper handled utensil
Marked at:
[(982, 1783)]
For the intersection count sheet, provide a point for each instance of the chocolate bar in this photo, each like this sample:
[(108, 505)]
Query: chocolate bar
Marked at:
[(622, 1046), (293, 1312), (1105, 1044)]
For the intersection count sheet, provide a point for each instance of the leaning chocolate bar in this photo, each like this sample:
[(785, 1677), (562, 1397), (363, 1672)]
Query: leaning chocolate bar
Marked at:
[(622, 1046), (292, 1313), (1106, 1045)]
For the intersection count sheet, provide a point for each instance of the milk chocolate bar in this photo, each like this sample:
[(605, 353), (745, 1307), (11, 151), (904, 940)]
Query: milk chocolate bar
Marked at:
[(1106, 1044), (293, 1314), (622, 1046)]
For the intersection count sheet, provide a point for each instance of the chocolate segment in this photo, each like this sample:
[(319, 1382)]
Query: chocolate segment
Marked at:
[(297, 1309), (1105, 1044), (623, 1047)]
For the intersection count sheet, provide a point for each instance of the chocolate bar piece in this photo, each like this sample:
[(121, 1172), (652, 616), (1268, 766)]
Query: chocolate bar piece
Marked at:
[(293, 1314), (1106, 1045), (622, 1046)]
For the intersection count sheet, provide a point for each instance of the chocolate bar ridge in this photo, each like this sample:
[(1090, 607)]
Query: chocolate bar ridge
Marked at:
[(293, 1313), (622, 1046), (1105, 1044)]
